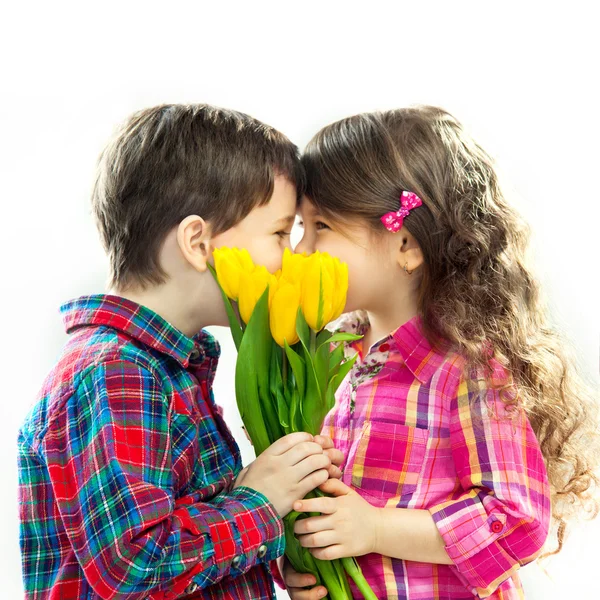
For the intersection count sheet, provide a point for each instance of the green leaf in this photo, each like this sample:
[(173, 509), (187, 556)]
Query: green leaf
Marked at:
[(295, 415), (344, 369), (296, 554), (277, 388), (248, 402), (337, 356), (298, 369), (252, 379), (323, 336), (313, 405), (321, 363), (343, 337), (234, 322), (261, 332), (302, 328)]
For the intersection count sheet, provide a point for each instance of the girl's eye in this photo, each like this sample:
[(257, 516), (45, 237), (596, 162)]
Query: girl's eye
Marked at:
[(284, 234), (320, 225)]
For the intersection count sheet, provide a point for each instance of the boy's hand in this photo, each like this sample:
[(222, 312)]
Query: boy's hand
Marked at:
[(336, 456), (348, 525), (295, 582), (287, 470)]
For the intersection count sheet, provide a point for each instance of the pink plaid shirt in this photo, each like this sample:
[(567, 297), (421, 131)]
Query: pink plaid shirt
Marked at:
[(417, 434)]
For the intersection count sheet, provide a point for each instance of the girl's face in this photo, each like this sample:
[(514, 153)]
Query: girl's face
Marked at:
[(372, 267)]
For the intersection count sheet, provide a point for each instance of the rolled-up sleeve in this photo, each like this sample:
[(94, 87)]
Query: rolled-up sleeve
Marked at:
[(500, 517)]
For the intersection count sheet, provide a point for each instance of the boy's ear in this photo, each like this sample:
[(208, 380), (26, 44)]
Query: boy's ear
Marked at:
[(410, 255), (194, 240)]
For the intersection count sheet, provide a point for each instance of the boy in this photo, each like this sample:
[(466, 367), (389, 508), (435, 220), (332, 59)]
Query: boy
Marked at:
[(130, 482)]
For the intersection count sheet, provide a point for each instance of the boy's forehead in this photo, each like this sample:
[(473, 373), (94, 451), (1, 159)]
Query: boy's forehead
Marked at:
[(282, 204)]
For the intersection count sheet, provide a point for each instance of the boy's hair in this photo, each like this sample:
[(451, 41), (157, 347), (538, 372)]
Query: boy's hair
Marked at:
[(476, 288), (171, 161)]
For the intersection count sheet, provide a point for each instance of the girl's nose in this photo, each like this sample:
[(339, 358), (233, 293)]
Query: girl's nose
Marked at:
[(304, 246)]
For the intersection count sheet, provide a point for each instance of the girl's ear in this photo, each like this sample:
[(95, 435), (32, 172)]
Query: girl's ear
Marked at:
[(194, 241), (410, 256)]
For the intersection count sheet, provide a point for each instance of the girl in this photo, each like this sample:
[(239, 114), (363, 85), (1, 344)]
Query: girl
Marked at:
[(463, 425)]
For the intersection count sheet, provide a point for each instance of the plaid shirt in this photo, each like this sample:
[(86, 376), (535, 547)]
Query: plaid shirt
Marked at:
[(126, 469), (417, 434)]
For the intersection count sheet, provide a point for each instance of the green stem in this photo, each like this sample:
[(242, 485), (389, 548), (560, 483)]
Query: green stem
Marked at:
[(284, 370), (352, 568)]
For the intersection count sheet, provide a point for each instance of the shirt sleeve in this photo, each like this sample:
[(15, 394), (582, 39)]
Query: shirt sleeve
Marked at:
[(501, 515), (109, 455)]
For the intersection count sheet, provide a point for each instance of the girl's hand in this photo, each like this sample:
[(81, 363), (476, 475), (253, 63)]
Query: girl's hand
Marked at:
[(296, 582), (336, 456), (348, 525)]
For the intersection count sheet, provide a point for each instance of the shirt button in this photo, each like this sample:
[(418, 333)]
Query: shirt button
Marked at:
[(190, 589), (497, 527), (262, 551), (384, 347), (235, 563), (195, 354)]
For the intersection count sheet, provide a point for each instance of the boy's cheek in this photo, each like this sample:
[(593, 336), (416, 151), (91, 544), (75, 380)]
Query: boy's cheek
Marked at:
[(268, 251)]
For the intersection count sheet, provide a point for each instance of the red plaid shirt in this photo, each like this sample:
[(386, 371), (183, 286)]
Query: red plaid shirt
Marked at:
[(126, 469)]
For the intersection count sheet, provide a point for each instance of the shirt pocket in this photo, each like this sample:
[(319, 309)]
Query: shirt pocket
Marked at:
[(389, 460)]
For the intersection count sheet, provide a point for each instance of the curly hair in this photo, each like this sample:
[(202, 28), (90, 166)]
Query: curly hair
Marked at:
[(476, 291)]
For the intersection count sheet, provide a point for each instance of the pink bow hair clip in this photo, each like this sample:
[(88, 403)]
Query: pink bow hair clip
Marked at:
[(393, 220)]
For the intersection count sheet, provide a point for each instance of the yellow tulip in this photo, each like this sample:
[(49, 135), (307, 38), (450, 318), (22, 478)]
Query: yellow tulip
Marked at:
[(251, 287), (230, 263), (324, 289), (293, 265), (284, 303)]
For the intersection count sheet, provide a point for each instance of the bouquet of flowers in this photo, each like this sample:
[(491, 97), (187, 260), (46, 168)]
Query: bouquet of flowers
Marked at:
[(286, 371)]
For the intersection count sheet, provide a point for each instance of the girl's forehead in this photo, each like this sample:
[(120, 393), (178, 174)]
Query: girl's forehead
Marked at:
[(306, 207)]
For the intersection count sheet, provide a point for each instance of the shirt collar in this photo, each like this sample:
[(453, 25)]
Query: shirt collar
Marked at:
[(418, 354), (139, 323)]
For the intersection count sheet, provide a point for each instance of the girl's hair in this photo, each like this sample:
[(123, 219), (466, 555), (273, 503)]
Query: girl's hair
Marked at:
[(475, 288)]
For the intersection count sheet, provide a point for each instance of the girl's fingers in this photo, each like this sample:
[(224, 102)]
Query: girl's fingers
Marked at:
[(335, 472), (335, 487), (336, 456), (324, 441), (329, 553), (326, 506), (312, 525), (321, 539)]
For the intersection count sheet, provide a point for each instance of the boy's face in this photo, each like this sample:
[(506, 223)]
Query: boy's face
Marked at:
[(265, 232)]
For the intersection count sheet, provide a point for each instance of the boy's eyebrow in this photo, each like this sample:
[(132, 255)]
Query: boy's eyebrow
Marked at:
[(283, 221)]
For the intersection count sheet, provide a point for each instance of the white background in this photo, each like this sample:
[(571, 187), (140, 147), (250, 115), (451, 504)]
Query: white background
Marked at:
[(523, 77)]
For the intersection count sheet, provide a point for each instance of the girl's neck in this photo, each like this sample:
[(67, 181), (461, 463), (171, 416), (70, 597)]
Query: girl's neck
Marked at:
[(382, 323)]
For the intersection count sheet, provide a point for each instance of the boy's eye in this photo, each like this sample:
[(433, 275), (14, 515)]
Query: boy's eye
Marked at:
[(284, 234)]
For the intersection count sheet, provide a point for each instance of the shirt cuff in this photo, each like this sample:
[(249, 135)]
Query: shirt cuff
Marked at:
[(471, 537), (277, 575), (250, 532), (244, 530)]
